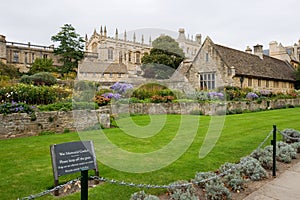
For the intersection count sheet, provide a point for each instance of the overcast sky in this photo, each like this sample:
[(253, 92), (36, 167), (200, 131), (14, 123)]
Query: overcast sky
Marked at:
[(233, 23)]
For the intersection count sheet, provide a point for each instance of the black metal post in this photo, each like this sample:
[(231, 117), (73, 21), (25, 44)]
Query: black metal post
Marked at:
[(84, 184), (273, 142)]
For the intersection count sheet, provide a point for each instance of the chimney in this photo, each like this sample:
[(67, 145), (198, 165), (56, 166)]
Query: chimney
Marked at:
[(181, 35), (273, 48), (258, 50), (198, 38), (248, 50)]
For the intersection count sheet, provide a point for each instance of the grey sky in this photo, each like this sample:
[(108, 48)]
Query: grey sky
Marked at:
[(233, 23)]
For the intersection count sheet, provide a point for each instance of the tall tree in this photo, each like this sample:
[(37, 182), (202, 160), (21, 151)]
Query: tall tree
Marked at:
[(164, 58), (70, 48), (41, 65)]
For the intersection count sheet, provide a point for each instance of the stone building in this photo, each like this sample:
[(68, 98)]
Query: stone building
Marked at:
[(112, 59), (286, 53), (104, 50), (188, 45), (22, 55), (217, 66)]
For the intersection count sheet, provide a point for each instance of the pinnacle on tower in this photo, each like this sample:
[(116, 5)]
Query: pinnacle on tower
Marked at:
[(150, 40), (105, 32), (125, 36), (116, 33), (142, 39), (134, 37)]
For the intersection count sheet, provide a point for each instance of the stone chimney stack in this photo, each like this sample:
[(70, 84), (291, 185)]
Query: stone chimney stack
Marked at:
[(3, 49), (258, 50), (248, 50), (198, 38), (181, 35)]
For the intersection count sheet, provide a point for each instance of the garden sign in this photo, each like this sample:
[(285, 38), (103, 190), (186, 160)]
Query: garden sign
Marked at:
[(72, 157)]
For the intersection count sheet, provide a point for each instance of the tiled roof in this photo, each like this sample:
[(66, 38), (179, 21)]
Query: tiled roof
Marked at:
[(252, 65), (96, 67)]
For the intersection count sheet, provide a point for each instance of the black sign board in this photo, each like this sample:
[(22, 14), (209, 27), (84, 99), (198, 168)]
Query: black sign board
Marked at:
[(72, 157)]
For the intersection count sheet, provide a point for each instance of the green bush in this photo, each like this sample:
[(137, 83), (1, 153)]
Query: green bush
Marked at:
[(67, 106), (141, 195), (151, 89), (291, 135), (41, 78), (285, 152), (216, 191), (251, 168), (187, 192), (200, 178), (34, 95)]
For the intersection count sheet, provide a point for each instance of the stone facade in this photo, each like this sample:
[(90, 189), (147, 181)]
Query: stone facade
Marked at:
[(217, 66), (20, 124), (207, 108), (290, 54), (114, 59), (22, 55)]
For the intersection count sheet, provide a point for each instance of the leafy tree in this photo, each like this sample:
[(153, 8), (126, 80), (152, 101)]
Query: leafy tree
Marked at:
[(165, 52), (70, 48), (41, 65), (8, 71)]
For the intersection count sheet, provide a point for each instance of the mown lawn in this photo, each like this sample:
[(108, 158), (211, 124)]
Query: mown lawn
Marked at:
[(26, 169)]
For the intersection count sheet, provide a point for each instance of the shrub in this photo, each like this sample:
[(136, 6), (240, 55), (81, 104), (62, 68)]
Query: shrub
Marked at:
[(216, 191), (141, 195), (41, 78), (196, 112), (201, 178), (161, 99), (152, 89), (34, 94), (121, 88), (101, 100), (85, 85), (234, 179), (187, 192), (67, 106), (251, 96), (251, 168), (15, 107), (264, 156), (285, 152), (291, 135), (296, 146), (216, 96)]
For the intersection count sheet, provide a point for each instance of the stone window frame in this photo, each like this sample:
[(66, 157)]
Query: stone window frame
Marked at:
[(16, 56), (138, 57), (207, 80), (250, 82), (110, 53)]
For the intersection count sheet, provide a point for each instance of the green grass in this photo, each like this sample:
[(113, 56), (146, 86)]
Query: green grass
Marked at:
[(26, 169)]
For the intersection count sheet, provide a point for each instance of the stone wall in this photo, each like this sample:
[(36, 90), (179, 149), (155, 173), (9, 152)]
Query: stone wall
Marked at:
[(20, 124), (206, 108)]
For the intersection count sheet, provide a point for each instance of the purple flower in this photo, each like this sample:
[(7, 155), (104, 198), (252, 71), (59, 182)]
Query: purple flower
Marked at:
[(112, 96), (251, 95), (121, 88), (216, 95)]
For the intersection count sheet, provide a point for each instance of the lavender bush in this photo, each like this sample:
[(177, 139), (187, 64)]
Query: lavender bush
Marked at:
[(251, 96)]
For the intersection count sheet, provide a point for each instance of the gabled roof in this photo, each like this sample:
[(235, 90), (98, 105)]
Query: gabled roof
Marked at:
[(247, 64), (105, 68)]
